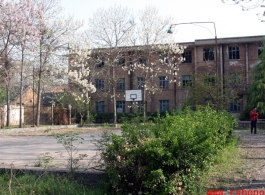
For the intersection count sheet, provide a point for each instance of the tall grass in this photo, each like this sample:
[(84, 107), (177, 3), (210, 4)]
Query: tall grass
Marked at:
[(47, 184)]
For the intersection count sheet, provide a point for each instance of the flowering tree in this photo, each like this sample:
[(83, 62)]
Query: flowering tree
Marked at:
[(156, 55), (80, 74), (110, 31), (16, 29), (27, 36), (55, 35)]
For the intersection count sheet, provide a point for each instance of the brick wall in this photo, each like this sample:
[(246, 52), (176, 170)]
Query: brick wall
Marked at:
[(248, 47)]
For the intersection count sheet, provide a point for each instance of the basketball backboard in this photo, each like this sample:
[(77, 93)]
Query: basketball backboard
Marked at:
[(133, 95)]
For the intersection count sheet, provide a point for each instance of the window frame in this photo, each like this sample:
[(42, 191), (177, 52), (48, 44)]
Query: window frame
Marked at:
[(163, 104), (235, 106), (187, 55), (164, 57), (234, 53), (260, 48), (120, 84), (100, 62), (100, 84), (163, 82), (210, 79), (120, 104), (100, 107), (121, 60), (208, 54), (234, 79), (140, 82), (185, 82)]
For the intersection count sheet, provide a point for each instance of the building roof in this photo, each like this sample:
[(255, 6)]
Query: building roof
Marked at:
[(227, 40)]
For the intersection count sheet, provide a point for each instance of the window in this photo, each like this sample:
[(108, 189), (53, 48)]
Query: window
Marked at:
[(163, 56), (186, 81), (100, 107), (99, 84), (210, 79), (208, 54), (141, 60), (187, 57), (234, 79), (259, 50), (121, 61), (100, 62), (163, 82), (121, 84), (120, 106), (235, 106), (234, 52), (140, 82), (140, 106), (164, 105)]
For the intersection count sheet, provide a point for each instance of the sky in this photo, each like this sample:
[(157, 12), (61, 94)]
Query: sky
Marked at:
[(230, 20)]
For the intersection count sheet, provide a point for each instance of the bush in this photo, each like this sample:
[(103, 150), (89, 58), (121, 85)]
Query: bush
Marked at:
[(166, 156)]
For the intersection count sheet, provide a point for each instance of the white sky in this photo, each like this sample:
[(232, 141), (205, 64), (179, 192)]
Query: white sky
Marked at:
[(230, 20)]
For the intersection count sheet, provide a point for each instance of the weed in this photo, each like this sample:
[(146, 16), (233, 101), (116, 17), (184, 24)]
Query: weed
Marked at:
[(44, 160)]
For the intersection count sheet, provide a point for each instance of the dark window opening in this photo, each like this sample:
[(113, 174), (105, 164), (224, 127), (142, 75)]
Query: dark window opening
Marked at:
[(186, 81), (187, 55), (121, 84), (234, 52), (208, 54)]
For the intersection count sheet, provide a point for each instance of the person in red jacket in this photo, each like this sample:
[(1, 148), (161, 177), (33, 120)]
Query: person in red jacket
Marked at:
[(254, 115)]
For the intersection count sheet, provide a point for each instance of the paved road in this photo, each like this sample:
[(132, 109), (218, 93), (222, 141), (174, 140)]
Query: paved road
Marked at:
[(23, 151)]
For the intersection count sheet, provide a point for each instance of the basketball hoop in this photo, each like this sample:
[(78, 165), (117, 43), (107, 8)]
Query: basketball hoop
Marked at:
[(133, 95)]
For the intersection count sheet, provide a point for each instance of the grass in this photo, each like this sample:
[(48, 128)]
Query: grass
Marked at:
[(228, 166), (24, 184)]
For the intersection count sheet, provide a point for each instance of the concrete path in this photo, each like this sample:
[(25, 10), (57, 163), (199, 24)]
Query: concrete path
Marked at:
[(25, 151)]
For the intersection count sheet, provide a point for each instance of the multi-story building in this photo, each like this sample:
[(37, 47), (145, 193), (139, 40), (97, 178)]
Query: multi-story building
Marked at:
[(235, 57)]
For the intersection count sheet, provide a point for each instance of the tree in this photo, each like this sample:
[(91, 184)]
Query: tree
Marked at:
[(55, 34), (203, 89), (16, 24), (81, 74), (109, 31), (256, 90), (2, 94), (248, 5), (26, 37), (156, 54)]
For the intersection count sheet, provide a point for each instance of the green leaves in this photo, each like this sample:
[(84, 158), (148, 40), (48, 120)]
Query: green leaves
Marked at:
[(150, 156)]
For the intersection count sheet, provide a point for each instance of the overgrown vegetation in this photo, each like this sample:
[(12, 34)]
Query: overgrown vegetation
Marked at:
[(169, 155), (24, 184), (227, 166)]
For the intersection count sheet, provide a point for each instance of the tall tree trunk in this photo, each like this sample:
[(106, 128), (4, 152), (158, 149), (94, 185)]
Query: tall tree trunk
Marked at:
[(7, 106), (114, 96), (39, 88), (21, 89), (38, 99)]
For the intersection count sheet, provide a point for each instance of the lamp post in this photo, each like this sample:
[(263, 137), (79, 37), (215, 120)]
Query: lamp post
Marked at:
[(215, 37)]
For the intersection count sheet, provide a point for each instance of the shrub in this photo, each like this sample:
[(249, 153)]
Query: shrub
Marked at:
[(166, 156)]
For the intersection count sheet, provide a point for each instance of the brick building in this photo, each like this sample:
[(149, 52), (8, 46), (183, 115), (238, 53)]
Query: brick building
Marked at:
[(235, 56)]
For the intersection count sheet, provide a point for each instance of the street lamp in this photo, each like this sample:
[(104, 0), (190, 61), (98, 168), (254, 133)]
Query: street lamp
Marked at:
[(215, 37)]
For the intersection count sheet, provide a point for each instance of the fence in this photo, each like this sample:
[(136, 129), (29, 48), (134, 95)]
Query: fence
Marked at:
[(246, 124), (57, 116)]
